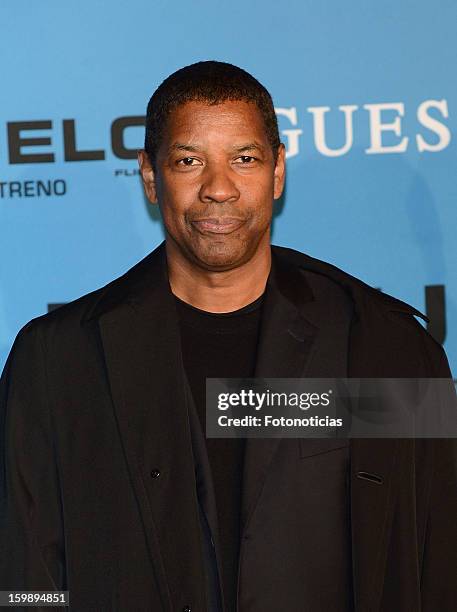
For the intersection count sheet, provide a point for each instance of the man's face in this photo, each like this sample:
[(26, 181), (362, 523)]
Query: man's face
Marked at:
[(215, 181)]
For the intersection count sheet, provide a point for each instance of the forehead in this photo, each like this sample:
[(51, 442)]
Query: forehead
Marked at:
[(231, 119)]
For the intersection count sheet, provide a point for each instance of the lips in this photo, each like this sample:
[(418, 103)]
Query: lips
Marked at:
[(215, 225)]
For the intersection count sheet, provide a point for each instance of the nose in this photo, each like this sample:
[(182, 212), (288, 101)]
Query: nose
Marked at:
[(218, 185)]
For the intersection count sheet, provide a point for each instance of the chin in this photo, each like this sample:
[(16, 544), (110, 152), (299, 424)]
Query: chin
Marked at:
[(220, 258)]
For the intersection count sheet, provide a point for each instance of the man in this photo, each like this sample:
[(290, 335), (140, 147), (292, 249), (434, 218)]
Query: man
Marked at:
[(110, 488)]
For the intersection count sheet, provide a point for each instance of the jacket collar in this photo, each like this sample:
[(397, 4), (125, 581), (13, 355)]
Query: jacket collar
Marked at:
[(136, 284)]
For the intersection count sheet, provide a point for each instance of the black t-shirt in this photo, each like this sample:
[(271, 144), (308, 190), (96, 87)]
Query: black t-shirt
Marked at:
[(221, 345)]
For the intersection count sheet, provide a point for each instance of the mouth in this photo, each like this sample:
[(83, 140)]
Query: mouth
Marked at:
[(214, 225)]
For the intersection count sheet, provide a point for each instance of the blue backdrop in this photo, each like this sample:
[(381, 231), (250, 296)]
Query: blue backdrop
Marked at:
[(365, 94)]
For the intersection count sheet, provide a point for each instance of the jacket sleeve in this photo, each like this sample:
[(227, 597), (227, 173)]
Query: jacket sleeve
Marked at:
[(31, 539), (439, 575)]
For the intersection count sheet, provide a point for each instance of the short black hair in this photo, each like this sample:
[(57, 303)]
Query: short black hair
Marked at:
[(211, 82)]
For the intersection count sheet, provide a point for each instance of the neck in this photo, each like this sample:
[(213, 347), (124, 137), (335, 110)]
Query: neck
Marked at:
[(214, 291)]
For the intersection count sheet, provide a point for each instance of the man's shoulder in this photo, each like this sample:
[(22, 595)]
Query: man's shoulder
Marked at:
[(362, 294), (381, 322)]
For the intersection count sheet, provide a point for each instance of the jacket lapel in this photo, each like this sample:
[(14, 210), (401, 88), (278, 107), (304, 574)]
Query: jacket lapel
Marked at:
[(141, 343), (284, 347), (304, 333)]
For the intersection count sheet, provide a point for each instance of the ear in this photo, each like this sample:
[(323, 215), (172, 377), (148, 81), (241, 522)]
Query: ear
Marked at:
[(148, 176), (280, 172)]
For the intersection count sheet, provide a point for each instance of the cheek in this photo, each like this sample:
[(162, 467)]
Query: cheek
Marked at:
[(174, 203), (260, 202), (172, 190), (174, 218), (258, 193)]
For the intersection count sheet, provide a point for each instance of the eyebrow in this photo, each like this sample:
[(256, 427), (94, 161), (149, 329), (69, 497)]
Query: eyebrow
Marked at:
[(179, 146), (249, 146)]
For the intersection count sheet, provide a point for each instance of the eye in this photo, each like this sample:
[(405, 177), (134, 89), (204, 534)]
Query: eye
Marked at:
[(187, 161), (247, 159)]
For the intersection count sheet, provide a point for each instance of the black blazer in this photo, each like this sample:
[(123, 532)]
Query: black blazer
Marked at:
[(106, 490)]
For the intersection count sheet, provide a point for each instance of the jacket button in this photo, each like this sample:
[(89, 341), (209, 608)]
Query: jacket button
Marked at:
[(155, 473)]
